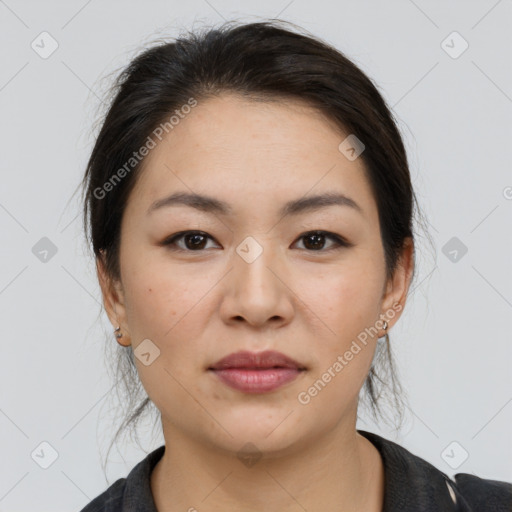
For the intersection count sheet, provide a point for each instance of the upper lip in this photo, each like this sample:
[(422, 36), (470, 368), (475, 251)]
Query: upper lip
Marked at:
[(248, 360)]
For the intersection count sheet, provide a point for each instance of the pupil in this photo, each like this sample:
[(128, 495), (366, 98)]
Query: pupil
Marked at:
[(317, 243), (196, 240)]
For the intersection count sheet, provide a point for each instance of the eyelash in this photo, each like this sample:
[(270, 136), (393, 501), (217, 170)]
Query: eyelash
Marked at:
[(170, 242)]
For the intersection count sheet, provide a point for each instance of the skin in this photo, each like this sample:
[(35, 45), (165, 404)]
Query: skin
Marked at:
[(201, 305)]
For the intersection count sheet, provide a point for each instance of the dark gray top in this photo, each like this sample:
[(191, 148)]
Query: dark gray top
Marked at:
[(411, 485)]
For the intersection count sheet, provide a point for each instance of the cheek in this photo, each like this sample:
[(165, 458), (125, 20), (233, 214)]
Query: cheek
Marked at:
[(346, 299), (344, 306), (159, 296), (164, 306), (343, 353)]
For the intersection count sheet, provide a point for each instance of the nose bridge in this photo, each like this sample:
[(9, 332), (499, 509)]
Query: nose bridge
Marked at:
[(256, 294), (252, 258)]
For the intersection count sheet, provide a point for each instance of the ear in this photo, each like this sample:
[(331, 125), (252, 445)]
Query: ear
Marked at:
[(113, 300), (397, 287)]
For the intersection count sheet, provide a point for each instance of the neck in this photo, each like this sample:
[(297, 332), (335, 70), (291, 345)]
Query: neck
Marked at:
[(340, 471)]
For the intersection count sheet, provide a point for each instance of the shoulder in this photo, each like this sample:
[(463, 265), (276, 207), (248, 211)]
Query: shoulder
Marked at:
[(132, 492), (483, 494), (110, 500), (412, 484)]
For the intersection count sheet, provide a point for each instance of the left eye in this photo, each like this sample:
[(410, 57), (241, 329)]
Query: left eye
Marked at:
[(195, 241), (317, 238)]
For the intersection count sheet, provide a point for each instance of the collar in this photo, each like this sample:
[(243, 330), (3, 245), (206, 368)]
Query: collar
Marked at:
[(413, 484)]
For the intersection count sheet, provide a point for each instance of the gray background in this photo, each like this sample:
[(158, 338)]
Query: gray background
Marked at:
[(453, 341)]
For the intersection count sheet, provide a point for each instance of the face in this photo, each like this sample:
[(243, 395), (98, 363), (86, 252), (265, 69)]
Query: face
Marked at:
[(254, 278)]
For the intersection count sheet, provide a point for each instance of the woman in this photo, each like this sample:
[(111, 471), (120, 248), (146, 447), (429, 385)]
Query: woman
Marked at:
[(251, 209)]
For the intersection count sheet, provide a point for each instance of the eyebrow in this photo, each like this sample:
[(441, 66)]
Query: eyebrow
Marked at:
[(295, 207)]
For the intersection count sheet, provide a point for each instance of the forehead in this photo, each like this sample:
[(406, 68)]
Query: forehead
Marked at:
[(244, 150)]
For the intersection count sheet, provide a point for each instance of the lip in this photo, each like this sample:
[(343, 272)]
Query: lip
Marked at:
[(256, 372), (256, 360)]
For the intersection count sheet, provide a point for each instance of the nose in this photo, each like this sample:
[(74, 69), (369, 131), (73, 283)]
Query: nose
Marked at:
[(256, 290)]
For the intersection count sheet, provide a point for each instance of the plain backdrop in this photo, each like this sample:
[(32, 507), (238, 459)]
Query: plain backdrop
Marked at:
[(452, 96)]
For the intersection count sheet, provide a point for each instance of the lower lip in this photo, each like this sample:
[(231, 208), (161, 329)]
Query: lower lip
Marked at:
[(257, 381)]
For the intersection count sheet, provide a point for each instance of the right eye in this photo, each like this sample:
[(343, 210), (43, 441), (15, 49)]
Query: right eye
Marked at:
[(193, 241)]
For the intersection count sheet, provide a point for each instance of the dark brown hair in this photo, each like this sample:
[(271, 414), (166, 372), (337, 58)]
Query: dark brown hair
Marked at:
[(257, 60)]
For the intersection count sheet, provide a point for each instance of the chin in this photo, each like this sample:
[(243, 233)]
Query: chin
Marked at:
[(269, 431)]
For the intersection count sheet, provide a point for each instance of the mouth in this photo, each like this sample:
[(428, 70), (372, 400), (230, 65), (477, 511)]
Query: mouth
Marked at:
[(257, 372)]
